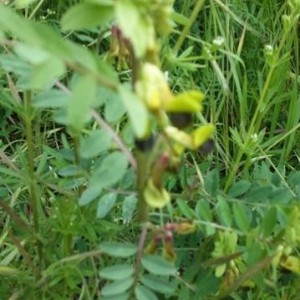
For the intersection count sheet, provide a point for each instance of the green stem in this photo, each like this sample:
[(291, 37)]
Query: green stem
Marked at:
[(142, 208), (139, 254), (188, 26), (32, 182), (35, 10), (67, 245)]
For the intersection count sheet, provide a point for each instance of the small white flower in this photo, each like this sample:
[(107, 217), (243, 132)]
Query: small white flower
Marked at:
[(254, 137), (219, 41), (269, 49)]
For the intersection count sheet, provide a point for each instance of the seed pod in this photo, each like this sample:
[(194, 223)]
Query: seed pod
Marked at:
[(145, 144), (168, 250), (207, 147), (180, 120), (151, 247)]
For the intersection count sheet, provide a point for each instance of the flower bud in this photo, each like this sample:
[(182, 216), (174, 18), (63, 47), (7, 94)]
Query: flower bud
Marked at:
[(185, 228)]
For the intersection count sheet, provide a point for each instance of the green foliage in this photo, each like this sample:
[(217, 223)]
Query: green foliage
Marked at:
[(88, 144)]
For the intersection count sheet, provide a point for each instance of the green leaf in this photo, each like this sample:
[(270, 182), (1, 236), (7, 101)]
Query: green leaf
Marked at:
[(211, 182), (137, 111), (70, 170), (36, 35), (128, 207), (112, 169), (255, 253), (11, 22), (282, 195), (80, 102), (294, 178), (224, 212), (91, 193), (98, 141), (86, 15), (157, 265), (118, 249), (158, 284), (33, 54), (105, 204), (143, 293), (259, 193), (239, 188), (12, 63), (207, 284), (101, 2), (269, 221), (185, 209), (114, 108), (46, 72), (203, 211), (50, 99), (23, 3), (242, 216), (123, 296), (117, 287), (134, 25), (117, 272), (179, 18)]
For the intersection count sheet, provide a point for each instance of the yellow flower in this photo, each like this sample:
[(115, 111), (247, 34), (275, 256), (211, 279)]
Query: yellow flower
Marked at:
[(189, 102), (291, 263), (202, 134), (179, 136), (191, 141), (155, 197), (154, 90), (152, 87)]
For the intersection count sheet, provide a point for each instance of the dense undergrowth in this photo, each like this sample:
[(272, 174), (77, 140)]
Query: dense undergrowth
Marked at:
[(89, 125)]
